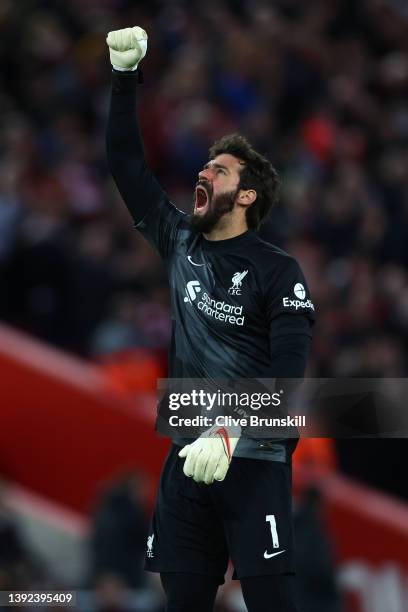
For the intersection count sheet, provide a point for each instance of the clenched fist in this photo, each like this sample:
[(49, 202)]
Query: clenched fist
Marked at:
[(127, 47)]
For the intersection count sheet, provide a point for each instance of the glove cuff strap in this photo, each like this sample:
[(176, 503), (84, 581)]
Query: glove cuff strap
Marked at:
[(223, 433)]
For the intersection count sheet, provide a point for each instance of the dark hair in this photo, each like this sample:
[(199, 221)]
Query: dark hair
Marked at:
[(257, 173)]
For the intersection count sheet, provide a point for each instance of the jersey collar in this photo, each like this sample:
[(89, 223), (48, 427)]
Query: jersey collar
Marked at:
[(229, 243)]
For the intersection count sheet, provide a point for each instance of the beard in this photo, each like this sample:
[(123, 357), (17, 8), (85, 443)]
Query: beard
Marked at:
[(218, 206)]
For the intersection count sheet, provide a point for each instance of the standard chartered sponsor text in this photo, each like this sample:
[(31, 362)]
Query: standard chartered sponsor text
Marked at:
[(220, 310)]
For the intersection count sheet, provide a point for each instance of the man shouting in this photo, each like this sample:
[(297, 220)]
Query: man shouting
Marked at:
[(223, 495)]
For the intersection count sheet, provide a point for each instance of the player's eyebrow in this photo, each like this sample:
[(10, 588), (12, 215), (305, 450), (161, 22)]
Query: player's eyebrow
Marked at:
[(211, 164)]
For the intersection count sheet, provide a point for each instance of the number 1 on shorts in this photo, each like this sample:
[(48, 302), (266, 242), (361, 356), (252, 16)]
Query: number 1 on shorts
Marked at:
[(270, 518)]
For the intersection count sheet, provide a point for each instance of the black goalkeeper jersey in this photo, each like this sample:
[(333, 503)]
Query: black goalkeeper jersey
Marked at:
[(240, 307), (225, 296)]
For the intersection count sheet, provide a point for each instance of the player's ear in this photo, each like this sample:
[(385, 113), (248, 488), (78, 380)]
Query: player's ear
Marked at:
[(246, 197)]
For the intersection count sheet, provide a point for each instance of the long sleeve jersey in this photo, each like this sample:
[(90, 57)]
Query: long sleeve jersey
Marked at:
[(240, 307)]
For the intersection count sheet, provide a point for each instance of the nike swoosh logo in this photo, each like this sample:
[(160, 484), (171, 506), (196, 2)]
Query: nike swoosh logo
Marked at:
[(268, 556), (192, 262)]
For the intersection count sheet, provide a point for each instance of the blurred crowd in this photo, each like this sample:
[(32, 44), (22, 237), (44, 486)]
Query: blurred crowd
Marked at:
[(113, 579), (319, 87)]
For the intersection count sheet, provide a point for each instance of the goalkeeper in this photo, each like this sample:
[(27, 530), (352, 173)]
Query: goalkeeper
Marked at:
[(224, 495)]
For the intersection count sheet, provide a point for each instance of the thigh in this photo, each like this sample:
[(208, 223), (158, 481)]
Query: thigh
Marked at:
[(255, 501), (186, 533), (188, 592), (269, 593)]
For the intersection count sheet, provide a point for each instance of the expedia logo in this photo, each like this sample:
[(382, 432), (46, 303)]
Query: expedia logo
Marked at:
[(300, 292)]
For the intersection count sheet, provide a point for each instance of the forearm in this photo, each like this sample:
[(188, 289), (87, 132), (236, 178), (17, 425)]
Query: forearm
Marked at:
[(290, 348), (125, 152), (289, 358)]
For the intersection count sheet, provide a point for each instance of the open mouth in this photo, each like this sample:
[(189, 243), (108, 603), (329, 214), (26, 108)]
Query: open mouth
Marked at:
[(201, 200)]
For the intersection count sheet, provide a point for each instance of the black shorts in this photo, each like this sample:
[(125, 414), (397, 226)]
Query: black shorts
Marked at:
[(196, 528)]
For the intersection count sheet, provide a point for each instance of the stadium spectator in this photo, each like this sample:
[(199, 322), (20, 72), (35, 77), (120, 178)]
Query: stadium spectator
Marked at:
[(119, 535), (316, 584)]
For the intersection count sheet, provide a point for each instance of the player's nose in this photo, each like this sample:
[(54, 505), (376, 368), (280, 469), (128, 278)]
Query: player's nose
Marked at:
[(205, 174)]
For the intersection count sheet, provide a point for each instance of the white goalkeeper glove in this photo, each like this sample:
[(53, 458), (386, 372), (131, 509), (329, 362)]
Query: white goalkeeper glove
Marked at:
[(127, 47), (209, 457)]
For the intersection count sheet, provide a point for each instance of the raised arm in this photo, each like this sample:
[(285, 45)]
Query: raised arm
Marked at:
[(126, 159)]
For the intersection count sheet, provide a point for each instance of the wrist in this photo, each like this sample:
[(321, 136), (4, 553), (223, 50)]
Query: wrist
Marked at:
[(229, 435), (126, 82), (120, 69), (233, 431)]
